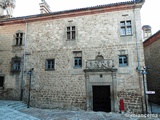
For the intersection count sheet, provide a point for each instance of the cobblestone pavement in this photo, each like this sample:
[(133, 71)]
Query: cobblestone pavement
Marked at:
[(16, 110)]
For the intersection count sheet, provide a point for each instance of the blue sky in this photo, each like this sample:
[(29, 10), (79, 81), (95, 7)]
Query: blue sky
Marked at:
[(149, 12)]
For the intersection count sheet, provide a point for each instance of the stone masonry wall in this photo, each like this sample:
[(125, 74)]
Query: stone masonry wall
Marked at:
[(152, 59), (65, 86)]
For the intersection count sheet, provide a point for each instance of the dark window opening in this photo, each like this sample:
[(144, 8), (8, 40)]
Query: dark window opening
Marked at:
[(1, 81), (19, 38), (50, 64)]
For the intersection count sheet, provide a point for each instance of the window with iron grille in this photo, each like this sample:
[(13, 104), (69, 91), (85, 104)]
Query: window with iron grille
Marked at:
[(50, 64), (71, 33), (126, 28), (123, 60)]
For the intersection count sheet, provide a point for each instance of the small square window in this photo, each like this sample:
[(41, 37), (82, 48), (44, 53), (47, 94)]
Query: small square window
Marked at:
[(123, 60), (16, 65), (50, 64)]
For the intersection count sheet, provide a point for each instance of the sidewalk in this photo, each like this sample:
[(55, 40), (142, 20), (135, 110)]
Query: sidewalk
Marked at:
[(16, 110), (154, 108)]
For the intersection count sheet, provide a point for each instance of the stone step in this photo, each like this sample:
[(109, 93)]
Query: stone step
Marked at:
[(17, 105)]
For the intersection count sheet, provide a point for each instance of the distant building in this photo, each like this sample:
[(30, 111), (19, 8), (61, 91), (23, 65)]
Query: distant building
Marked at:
[(82, 58), (147, 31), (152, 60)]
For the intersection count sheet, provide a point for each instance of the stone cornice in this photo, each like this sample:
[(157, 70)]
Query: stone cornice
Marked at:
[(73, 13)]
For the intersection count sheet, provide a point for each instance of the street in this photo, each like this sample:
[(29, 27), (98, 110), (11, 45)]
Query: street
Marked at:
[(17, 110)]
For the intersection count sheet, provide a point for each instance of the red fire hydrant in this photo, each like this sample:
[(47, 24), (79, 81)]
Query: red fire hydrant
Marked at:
[(121, 107)]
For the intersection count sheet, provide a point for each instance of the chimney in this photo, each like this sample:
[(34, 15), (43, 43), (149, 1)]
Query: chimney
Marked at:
[(44, 7), (147, 32), (10, 5), (2, 7)]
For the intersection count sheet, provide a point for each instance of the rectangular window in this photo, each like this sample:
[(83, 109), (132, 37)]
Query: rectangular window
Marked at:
[(19, 38), (50, 64), (71, 33), (16, 65), (123, 60), (77, 62), (77, 59), (126, 28)]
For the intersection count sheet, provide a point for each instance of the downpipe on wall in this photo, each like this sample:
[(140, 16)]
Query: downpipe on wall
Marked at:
[(24, 61)]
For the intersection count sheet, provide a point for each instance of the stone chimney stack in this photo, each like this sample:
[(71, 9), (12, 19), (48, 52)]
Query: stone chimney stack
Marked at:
[(147, 32), (44, 7), (2, 7), (10, 5)]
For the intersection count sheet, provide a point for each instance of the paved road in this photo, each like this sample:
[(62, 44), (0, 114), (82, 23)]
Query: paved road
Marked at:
[(15, 110)]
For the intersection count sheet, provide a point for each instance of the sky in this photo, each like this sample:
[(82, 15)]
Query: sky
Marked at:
[(149, 12)]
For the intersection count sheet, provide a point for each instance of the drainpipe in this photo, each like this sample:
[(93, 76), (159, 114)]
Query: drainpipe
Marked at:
[(137, 50), (24, 60)]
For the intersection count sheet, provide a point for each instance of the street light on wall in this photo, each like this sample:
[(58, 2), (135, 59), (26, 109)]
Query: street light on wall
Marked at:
[(29, 87)]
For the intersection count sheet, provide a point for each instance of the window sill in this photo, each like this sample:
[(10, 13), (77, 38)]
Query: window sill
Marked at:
[(126, 35), (70, 39), (15, 71), (77, 67), (49, 69), (17, 45), (123, 66)]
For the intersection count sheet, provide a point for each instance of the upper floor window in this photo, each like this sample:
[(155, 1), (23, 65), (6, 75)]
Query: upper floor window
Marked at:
[(50, 64), (71, 33), (123, 60), (77, 59), (18, 38), (126, 28), (15, 64)]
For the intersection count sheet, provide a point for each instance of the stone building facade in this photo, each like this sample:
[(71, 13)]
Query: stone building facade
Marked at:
[(85, 58), (152, 59)]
